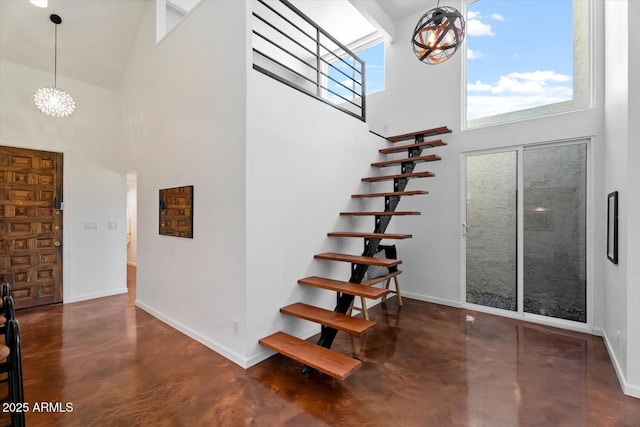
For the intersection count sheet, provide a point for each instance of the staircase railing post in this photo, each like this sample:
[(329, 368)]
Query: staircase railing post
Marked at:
[(363, 93)]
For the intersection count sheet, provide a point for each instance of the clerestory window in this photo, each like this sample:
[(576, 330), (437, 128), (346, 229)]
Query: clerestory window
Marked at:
[(526, 58)]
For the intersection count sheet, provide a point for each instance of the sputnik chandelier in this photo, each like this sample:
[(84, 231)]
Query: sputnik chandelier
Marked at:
[(49, 99), (438, 34)]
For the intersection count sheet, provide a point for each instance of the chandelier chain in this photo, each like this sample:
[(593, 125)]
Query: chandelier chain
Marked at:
[(55, 58)]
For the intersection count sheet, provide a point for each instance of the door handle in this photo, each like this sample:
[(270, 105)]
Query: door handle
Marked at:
[(464, 228), (56, 244)]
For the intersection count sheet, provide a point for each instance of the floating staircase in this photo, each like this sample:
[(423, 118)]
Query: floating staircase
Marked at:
[(319, 356)]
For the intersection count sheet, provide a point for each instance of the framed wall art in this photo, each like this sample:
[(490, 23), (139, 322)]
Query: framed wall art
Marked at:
[(612, 227), (176, 211)]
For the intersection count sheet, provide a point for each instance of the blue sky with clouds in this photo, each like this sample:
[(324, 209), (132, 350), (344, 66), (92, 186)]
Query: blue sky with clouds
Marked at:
[(520, 55)]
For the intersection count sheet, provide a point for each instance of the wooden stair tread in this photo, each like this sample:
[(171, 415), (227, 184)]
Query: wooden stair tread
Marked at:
[(358, 259), (425, 144), (390, 194), (334, 364), (381, 213), (429, 158), (344, 287), (335, 320), (427, 132), (369, 235), (400, 175)]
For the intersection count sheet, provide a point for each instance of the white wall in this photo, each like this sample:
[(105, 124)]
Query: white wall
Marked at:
[(616, 134), (184, 105), (419, 96), (633, 212), (94, 181), (622, 297), (304, 160)]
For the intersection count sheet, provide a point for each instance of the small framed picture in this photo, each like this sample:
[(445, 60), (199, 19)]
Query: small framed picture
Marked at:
[(176, 211), (612, 227)]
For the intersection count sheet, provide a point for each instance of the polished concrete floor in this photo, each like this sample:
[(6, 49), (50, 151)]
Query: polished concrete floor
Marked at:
[(424, 365)]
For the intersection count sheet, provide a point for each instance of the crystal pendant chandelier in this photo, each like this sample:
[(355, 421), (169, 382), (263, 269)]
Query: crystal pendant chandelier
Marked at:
[(51, 100), (438, 34)]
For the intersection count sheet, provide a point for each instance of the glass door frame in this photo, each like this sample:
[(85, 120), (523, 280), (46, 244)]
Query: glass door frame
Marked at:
[(520, 314)]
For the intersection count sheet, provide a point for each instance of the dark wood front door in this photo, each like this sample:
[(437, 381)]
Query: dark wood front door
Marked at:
[(31, 225)]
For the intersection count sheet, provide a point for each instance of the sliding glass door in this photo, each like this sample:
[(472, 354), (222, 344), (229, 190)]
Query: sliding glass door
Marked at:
[(526, 230), (555, 231), (491, 229)]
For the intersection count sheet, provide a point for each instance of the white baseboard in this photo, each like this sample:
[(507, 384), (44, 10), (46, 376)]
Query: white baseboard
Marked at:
[(94, 296), (213, 345), (243, 362), (260, 357), (434, 300), (132, 264), (632, 390), (628, 389)]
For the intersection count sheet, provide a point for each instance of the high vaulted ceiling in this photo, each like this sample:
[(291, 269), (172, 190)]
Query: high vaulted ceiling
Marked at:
[(96, 36), (94, 39)]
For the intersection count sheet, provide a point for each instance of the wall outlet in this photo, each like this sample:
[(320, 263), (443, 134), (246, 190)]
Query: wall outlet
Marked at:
[(112, 225), (236, 327), (90, 225)]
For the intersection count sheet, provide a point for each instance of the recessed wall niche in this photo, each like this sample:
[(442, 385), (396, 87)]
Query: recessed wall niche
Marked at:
[(176, 211)]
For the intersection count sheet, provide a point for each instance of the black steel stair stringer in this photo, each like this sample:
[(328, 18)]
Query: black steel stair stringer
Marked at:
[(358, 271)]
